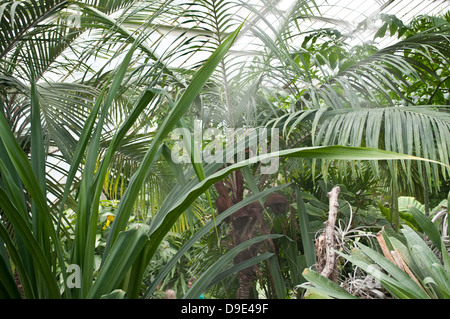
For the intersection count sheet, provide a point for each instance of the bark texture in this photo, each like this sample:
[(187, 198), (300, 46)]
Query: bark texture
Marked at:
[(245, 224), (326, 243)]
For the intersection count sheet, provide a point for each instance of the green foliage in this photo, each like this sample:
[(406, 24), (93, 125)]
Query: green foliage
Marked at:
[(409, 268), (123, 247), (98, 112)]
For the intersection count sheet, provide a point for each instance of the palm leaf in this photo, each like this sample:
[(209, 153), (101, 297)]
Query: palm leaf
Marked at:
[(18, 18), (109, 6), (422, 131)]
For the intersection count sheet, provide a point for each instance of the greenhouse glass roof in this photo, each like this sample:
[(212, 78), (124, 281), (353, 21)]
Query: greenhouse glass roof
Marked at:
[(359, 20)]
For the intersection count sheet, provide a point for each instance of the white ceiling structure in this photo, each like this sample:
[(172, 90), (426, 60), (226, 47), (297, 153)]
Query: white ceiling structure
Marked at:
[(343, 15), (266, 16), (346, 15)]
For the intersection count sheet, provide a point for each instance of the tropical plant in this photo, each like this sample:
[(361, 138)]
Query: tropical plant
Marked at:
[(407, 268), (103, 124), (33, 232), (358, 96)]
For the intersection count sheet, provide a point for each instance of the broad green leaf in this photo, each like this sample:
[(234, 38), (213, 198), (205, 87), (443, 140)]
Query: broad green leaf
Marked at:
[(421, 253), (442, 280), (338, 152), (405, 254), (400, 284), (125, 250), (400, 276), (323, 285), (427, 226), (422, 262)]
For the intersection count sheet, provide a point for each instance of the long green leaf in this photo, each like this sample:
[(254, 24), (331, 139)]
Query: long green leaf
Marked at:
[(163, 221), (236, 268), (307, 240), (8, 288), (37, 158), (424, 254), (37, 147), (400, 283), (24, 169), (125, 250), (203, 281), (6, 275), (448, 213), (323, 285), (81, 147), (203, 231), (432, 269), (277, 276), (405, 254), (175, 114), (427, 226), (321, 152), (91, 187), (143, 101), (23, 228), (13, 186)]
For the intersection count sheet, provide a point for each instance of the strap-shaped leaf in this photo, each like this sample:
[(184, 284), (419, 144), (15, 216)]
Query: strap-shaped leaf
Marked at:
[(124, 252), (203, 281), (323, 285), (175, 114), (8, 288), (427, 226), (400, 284), (204, 230), (24, 229)]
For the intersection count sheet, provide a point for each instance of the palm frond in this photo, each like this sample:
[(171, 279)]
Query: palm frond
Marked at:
[(19, 17), (422, 131), (108, 6)]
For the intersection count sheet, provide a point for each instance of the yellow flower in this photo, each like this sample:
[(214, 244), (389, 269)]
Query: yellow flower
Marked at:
[(109, 219)]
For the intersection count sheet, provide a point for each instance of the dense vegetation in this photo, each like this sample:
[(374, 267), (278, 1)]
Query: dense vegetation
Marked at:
[(95, 204)]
